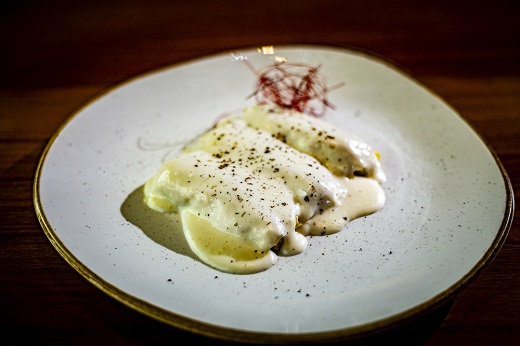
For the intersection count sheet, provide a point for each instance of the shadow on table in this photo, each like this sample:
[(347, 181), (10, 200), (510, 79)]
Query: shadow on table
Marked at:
[(417, 331)]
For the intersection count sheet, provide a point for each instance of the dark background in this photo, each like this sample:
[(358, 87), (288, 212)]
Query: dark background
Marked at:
[(55, 55)]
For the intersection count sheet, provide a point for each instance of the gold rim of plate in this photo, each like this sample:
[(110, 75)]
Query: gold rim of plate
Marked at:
[(224, 333)]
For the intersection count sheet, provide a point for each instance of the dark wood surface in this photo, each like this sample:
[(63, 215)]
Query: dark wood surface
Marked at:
[(55, 55)]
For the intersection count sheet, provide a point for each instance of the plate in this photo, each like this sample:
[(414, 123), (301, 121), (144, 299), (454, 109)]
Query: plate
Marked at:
[(448, 206)]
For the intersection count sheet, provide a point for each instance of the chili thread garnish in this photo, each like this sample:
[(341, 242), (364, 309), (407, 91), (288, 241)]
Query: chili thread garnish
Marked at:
[(299, 87)]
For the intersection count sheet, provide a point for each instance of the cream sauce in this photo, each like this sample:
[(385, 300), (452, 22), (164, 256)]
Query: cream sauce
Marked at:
[(256, 185)]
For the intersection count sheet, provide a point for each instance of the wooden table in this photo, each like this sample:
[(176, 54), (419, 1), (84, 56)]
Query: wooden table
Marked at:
[(55, 55)]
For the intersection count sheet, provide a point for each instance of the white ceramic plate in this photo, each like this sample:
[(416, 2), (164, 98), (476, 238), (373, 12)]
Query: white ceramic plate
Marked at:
[(448, 210)]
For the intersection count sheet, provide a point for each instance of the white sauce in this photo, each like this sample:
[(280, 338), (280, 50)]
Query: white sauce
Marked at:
[(258, 183)]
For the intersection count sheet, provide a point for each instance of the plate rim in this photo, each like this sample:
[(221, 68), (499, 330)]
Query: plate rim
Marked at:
[(239, 335)]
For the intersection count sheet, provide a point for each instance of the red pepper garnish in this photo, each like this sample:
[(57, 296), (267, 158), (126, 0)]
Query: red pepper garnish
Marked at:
[(293, 86)]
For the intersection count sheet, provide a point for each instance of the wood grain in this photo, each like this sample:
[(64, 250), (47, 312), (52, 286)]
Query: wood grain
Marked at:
[(56, 55)]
